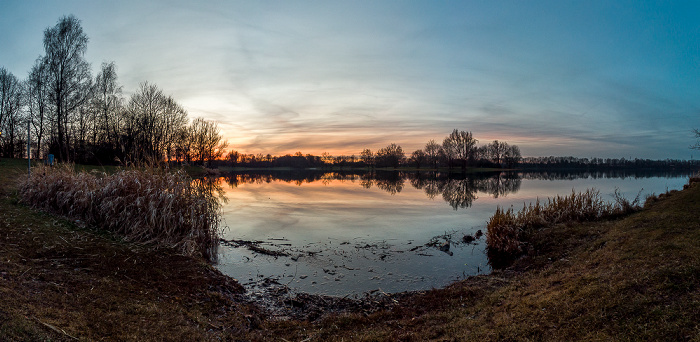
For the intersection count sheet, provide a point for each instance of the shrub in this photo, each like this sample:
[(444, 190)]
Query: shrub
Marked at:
[(151, 206), (509, 232)]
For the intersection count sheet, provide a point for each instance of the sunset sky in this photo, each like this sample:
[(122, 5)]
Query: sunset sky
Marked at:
[(582, 78)]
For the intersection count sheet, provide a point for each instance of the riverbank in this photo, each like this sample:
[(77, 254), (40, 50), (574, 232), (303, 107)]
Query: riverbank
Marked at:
[(631, 279), (62, 281)]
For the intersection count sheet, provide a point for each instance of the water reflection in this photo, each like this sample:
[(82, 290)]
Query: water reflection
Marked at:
[(350, 232), (458, 190)]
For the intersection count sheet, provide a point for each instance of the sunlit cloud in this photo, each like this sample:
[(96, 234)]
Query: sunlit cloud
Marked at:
[(556, 78)]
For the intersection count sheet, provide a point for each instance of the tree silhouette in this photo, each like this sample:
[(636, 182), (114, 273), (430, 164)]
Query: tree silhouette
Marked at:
[(432, 152), (37, 101), (10, 104), (367, 157), (460, 145), (70, 81), (418, 158), (697, 136), (391, 155)]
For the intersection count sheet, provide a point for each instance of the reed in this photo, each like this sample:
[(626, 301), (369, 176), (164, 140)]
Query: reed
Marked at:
[(151, 206), (694, 178), (509, 232)]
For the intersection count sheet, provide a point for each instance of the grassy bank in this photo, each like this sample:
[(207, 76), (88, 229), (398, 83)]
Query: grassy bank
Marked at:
[(59, 281), (630, 279), (153, 206), (510, 232)]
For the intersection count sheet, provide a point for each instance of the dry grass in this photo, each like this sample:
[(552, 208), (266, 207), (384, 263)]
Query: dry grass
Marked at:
[(151, 206), (633, 279), (510, 232)]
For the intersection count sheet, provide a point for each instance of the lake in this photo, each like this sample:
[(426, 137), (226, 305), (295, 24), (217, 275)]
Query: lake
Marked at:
[(346, 234)]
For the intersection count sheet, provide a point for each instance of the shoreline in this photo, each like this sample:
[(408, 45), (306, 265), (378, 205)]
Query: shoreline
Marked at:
[(630, 278)]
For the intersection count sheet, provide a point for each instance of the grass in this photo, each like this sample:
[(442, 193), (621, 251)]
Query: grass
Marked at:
[(148, 206), (634, 278), (511, 233), (58, 279)]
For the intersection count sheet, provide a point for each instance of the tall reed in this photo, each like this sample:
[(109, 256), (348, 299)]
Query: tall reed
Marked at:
[(151, 206), (509, 232)]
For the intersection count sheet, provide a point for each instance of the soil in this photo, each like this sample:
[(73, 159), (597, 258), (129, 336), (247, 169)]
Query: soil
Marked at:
[(633, 279)]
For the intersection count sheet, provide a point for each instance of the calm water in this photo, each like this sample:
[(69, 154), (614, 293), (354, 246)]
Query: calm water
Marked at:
[(347, 234)]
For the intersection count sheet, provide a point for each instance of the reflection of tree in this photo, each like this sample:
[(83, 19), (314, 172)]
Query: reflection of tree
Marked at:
[(427, 182), (602, 174), (432, 188), (297, 177), (367, 180), (459, 190), (459, 193), (392, 186), (391, 182), (501, 184), (211, 187)]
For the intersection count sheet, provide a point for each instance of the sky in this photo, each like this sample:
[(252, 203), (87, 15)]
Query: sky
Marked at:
[(592, 78)]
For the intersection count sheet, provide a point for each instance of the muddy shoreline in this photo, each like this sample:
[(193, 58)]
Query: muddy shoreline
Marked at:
[(273, 295)]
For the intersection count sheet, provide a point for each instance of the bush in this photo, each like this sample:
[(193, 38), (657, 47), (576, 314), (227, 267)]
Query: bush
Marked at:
[(163, 209), (509, 232)]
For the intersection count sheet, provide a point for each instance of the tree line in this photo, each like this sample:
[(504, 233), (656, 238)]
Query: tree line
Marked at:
[(81, 118), (552, 162), (459, 149)]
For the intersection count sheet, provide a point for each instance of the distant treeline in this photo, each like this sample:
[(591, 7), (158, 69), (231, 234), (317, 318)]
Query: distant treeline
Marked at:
[(86, 119), (458, 149), (483, 157), (549, 163)]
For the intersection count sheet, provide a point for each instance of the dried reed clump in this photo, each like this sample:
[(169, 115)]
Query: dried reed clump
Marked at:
[(509, 232), (694, 178), (147, 206)]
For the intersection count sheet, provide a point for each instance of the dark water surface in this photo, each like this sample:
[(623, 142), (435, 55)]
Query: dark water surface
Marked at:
[(347, 234)]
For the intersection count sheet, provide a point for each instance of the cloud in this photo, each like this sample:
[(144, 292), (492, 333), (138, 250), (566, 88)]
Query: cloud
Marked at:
[(555, 77)]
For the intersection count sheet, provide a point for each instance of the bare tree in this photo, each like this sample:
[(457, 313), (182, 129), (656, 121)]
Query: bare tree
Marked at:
[(174, 120), (392, 155), (207, 143), (69, 75), (11, 93), (108, 102), (497, 150), (697, 136), (418, 157), (432, 152), (482, 152), (460, 145), (512, 156), (367, 157), (37, 101), (153, 124)]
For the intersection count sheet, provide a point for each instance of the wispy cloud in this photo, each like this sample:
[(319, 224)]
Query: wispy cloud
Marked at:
[(587, 79)]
